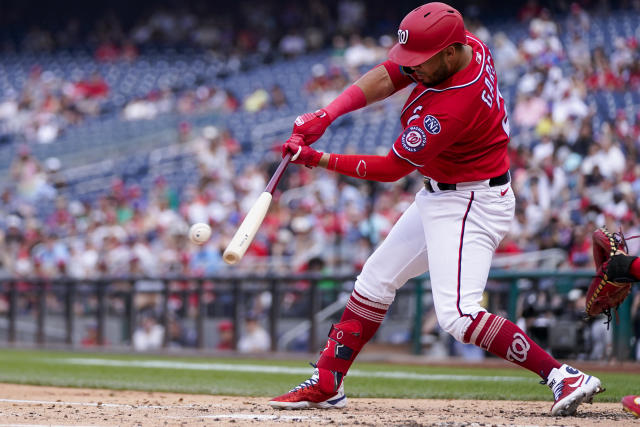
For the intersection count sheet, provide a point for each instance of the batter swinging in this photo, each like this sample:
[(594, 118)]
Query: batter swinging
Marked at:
[(456, 132)]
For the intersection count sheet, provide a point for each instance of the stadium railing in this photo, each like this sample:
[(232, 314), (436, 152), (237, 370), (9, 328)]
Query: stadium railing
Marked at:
[(234, 292)]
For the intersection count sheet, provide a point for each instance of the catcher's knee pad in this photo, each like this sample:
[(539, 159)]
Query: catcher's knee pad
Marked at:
[(344, 343)]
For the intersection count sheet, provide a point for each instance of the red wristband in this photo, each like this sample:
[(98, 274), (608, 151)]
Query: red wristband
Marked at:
[(351, 99)]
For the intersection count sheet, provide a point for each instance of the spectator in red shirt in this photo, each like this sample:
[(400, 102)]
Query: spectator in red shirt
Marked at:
[(93, 87), (225, 335)]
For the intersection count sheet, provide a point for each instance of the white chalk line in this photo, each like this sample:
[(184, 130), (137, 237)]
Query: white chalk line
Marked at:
[(96, 404), (49, 425), (177, 417), (248, 417), (265, 369)]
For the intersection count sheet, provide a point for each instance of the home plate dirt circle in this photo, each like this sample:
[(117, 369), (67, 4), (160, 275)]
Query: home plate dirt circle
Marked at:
[(45, 406)]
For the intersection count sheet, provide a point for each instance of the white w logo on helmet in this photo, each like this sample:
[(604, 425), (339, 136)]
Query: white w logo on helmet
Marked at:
[(403, 36)]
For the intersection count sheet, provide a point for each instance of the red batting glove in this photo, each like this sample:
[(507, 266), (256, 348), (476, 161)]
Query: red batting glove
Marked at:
[(301, 154), (311, 126)]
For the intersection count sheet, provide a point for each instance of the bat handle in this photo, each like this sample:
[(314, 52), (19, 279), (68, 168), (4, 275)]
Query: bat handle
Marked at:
[(275, 179)]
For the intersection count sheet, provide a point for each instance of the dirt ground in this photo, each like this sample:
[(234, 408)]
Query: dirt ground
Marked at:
[(40, 406)]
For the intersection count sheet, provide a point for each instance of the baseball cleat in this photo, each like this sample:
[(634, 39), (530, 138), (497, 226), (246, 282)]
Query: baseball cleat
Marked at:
[(631, 404), (571, 388), (312, 394)]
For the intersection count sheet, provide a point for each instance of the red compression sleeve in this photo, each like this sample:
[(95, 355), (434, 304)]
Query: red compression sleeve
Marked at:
[(634, 269), (351, 99), (375, 168), (398, 78)]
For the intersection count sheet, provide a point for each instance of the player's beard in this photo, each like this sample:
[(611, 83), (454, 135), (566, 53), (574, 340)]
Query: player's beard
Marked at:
[(441, 74)]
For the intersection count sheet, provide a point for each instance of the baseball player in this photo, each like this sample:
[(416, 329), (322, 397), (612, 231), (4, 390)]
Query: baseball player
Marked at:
[(455, 133)]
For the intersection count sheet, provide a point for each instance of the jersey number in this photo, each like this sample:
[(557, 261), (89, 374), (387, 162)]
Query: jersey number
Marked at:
[(487, 94), (505, 121)]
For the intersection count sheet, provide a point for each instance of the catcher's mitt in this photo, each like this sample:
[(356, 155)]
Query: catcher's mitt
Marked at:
[(613, 281), (606, 244)]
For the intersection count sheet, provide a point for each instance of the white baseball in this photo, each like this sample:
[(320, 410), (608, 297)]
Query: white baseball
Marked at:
[(199, 233)]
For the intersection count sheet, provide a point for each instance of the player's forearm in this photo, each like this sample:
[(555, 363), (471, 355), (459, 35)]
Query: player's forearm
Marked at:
[(373, 168)]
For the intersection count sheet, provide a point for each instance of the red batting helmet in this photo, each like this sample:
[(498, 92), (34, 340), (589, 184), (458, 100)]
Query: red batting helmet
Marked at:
[(425, 31)]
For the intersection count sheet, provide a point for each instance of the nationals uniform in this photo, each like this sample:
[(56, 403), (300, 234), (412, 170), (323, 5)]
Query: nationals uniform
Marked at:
[(454, 133)]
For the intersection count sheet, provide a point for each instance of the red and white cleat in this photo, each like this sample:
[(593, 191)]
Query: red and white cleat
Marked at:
[(631, 404), (313, 394), (571, 388)]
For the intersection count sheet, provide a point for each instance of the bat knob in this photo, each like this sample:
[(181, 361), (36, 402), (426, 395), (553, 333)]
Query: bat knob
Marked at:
[(230, 257)]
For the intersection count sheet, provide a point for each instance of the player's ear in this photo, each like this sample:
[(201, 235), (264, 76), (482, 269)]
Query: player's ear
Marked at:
[(449, 51)]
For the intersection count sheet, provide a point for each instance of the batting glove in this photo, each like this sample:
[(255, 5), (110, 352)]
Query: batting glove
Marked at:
[(301, 154), (311, 126)]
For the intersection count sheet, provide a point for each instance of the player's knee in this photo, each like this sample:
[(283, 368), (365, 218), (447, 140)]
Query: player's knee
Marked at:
[(455, 326), (376, 285), (374, 290)]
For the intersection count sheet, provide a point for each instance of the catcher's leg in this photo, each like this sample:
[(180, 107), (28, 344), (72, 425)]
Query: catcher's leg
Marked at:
[(401, 256)]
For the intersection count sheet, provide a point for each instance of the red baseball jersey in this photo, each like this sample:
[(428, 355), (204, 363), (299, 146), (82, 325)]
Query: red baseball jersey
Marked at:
[(457, 131)]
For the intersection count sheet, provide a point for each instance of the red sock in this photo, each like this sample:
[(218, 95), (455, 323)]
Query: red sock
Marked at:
[(369, 313), (360, 321), (504, 339), (635, 268)]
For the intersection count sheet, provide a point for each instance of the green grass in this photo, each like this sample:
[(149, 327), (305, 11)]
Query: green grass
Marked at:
[(56, 368)]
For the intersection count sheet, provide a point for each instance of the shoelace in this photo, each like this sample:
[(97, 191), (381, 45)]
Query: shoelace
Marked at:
[(557, 390), (307, 383)]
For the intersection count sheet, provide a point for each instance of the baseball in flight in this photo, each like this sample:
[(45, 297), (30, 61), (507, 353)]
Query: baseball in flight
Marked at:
[(199, 233)]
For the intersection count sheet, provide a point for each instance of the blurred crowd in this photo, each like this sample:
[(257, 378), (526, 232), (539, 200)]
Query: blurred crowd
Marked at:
[(129, 231), (573, 169), (266, 28), (47, 105)]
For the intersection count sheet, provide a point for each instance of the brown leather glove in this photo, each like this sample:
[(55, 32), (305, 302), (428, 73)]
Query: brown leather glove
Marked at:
[(612, 283)]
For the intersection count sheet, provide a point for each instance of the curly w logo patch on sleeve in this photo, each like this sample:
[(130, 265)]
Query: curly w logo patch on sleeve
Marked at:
[(414, 139)]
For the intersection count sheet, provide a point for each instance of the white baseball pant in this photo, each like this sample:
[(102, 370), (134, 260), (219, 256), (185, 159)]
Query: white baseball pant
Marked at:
[(453, 234)]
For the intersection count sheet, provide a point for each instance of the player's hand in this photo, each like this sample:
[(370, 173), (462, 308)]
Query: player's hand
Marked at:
[(311, 126), (301, 154)]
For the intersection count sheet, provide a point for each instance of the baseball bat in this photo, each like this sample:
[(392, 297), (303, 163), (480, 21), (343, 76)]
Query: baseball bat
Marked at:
[(247, 231)]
